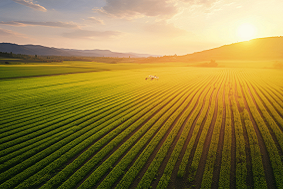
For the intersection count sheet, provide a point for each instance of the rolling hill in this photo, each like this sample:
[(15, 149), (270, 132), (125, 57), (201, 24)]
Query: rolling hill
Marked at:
[(270, 48), (50, 51)]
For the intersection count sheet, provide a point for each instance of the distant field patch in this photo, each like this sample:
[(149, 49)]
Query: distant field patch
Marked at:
[(26, 71)]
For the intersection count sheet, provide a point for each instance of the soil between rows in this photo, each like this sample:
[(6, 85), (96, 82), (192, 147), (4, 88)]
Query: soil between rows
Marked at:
[(166, 159), (270, 179), (125, 139), (153, 154)]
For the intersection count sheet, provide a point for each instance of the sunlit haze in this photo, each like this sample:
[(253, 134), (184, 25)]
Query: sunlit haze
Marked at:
[(246, 32), (157, 27)]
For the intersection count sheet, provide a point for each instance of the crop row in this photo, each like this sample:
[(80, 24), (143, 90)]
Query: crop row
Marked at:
[(79, 133), (141, 160), (105, 139), (152, 170), (186, 121), (211, 156), (95, 159), (269, 143), (225, 169)]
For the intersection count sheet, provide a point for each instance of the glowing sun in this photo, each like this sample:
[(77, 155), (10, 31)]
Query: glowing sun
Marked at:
[(246, 32)]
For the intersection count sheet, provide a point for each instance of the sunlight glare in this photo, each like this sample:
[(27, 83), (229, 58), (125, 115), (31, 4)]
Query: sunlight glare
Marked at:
[(246, 32)]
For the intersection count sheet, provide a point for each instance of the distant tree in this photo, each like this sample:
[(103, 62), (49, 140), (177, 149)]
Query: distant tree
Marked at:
[(212, 63)]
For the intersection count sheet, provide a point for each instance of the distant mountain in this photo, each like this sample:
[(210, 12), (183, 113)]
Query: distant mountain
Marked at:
[(270, 48), (50, 51)]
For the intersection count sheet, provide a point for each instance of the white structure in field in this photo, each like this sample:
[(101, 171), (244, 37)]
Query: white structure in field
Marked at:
[(152, 77)]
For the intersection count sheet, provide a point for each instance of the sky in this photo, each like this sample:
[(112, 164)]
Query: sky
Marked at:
[(156, 27)]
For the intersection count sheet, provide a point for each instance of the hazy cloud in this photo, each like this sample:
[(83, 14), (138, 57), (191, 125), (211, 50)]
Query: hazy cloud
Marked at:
[(96, 20), (30, 4), (201, 2), (91, 34), (47, 24), (163, 29), (133, 8), (10, 33)]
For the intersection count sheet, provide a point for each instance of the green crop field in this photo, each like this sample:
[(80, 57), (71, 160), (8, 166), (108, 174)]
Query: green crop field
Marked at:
[(105, 126)]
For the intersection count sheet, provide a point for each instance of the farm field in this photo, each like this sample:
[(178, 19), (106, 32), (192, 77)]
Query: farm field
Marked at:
[(191, 128), (22, 70)]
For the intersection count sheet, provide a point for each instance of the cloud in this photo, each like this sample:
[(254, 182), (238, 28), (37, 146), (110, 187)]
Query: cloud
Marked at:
[(201, 2), (9, 33), (30, 4), (47, 24), (205, 6), (96, 20), (163, 29), (91, 34), (136, 8)]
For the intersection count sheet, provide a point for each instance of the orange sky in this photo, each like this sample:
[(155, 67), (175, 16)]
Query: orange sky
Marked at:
[(157, 27)]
